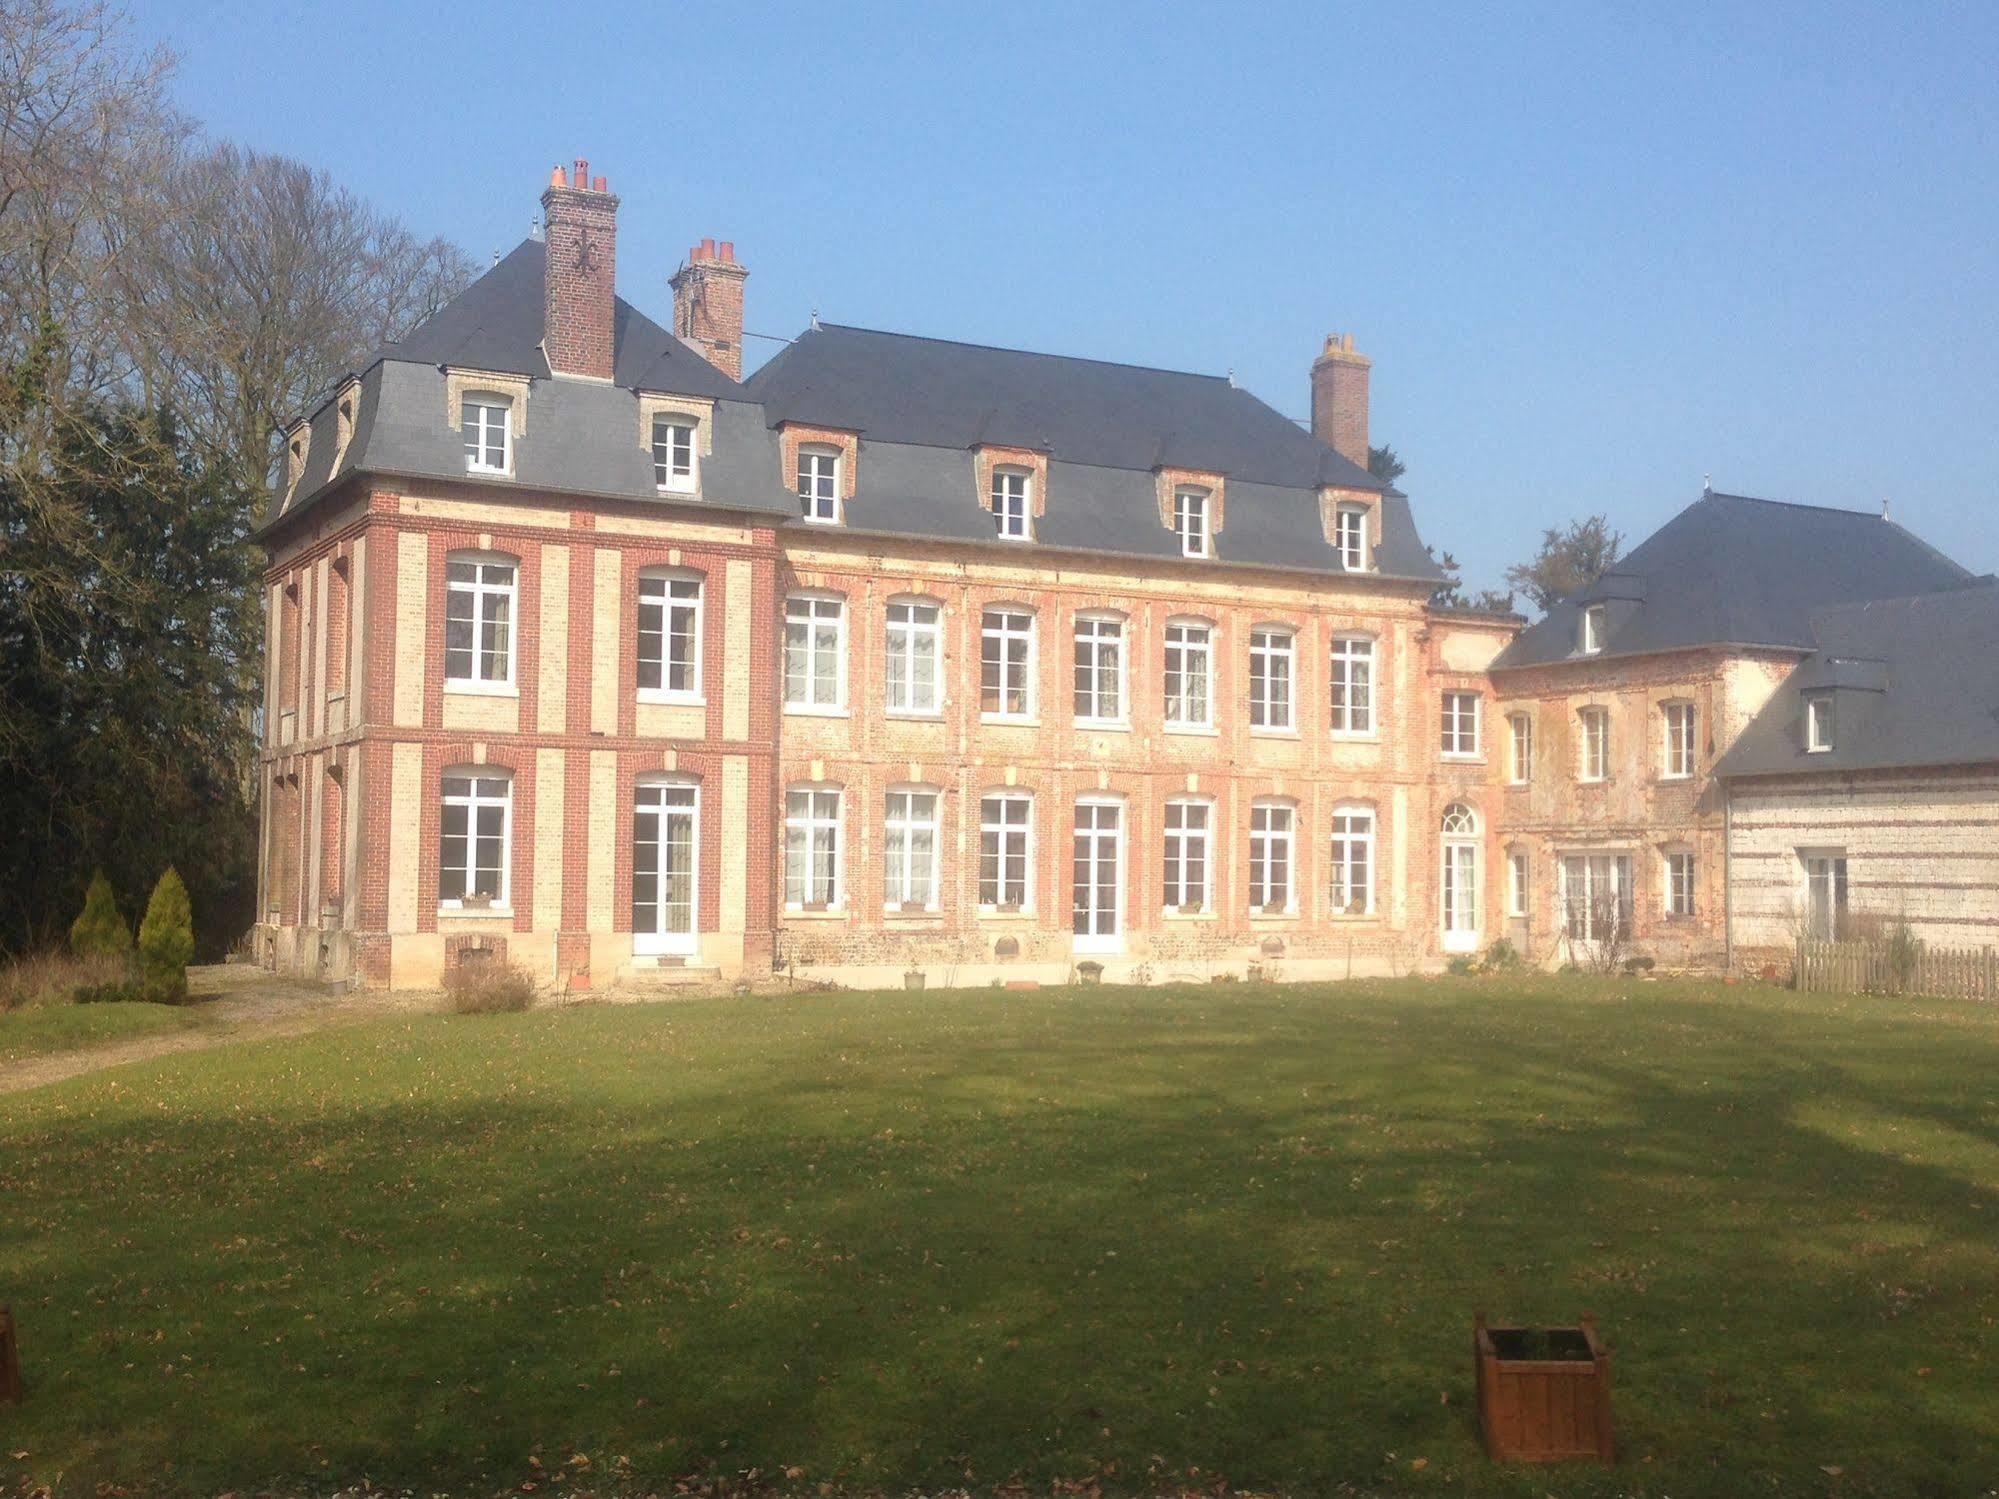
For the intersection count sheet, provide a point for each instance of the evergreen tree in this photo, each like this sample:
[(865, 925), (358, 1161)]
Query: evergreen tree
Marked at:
[(100, 930), (166, 936)]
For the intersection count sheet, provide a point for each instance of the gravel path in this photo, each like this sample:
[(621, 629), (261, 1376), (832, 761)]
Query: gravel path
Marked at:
[(235, 1002)]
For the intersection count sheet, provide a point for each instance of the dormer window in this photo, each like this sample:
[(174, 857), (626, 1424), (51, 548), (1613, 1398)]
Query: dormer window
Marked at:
[(1592, 629), (1190, 521), (488, 443), (1818, 723), (673, 462), (1350, 536), (1012, 504), (819, 484)]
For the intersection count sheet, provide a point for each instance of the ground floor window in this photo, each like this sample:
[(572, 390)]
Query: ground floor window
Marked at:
[(909, 849), (1679, 882), (1098, 876), (1186, 856), (1825, 895), (1005, 822), (472, 828), (1353, 861), (1516, 885), (812, 848), (1270, 857), (1596, 897), (663, 858)]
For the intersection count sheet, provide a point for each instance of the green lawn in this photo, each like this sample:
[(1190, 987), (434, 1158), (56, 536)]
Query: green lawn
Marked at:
[(1162, 1237), (38, 1030)]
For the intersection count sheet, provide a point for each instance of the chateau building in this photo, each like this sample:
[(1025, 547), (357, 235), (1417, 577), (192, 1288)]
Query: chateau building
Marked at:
[(587, 655)]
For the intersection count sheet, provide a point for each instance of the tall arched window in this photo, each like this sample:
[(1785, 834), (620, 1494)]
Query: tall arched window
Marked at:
[(1459, 887)]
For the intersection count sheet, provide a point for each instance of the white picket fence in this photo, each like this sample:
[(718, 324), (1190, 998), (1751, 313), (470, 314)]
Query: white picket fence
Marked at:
[(1868, 968)]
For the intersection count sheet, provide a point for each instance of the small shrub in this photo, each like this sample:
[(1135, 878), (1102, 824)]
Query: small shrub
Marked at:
[(166, 940), (1638, 963), (486, 988), (99, 930), (1461, 966), (1570, 967), (1905, 952), (1501, 956)]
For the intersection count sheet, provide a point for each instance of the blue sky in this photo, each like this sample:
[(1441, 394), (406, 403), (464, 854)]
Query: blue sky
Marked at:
[(1594, 257)]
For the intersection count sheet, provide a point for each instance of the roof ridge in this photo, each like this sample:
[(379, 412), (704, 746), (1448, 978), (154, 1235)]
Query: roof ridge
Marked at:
[(966, 343), (1757, 499)]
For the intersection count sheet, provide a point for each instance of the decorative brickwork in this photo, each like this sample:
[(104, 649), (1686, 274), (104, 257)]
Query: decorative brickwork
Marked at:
[(708, 305), (581, 218)]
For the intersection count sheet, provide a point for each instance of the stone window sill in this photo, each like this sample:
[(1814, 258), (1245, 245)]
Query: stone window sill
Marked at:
[(1194, 730), (914, 715), (481, 689), (1273, 734), (1177, 915), (474, 913), (988, 913), (836, 913), (666, 699), (813, 710), (1009, 721)]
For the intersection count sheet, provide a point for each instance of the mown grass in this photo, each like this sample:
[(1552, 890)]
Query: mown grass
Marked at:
[(38, 1030), (913, 1241)]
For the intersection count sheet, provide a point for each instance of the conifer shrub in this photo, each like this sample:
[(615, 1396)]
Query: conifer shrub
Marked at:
[(166, 940), (99, 930)]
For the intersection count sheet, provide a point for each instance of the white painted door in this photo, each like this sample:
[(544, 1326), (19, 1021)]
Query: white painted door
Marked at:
[(1099, 877), (1460, 896), (664, 854)]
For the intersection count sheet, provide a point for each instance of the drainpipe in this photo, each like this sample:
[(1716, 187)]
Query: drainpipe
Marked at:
[(1727, 875)]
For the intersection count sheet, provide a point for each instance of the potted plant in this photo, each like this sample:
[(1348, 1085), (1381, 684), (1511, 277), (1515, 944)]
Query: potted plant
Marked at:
[(1543, 1392), (476, 901), (1190, 908), (912, 978), (914, 907), (1090, 973), (1008, 908)]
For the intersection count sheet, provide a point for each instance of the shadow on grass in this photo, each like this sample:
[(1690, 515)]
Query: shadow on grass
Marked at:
[(900, 1245)]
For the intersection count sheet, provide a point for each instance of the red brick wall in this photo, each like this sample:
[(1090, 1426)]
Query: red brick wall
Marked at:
[(580, 292)]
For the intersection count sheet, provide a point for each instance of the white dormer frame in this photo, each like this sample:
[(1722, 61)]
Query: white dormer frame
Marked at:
[(1819, 723), (1590, 630), (1191, 522), (694, 412)]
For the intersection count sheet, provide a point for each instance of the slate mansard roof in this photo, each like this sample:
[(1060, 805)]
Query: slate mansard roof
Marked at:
[(1914, 683), (919, 407), (1731, 570)]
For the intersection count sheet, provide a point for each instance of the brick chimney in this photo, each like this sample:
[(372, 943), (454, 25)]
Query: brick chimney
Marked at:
[(579, 293), (1339, 398), (708, 304)]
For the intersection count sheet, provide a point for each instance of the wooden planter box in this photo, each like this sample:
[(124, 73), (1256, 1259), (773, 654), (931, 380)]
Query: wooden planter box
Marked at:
[(1543, 1393), (10, 1360)]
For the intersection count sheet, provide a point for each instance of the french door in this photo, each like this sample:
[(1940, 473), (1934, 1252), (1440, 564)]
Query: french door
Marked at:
[(1596, 897), (1460, 896), (665, 848), (1099, 877)]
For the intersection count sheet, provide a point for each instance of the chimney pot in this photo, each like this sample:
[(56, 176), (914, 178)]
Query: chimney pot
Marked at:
[(599, 185), (579, 293), (582, 173), (727, 250), (555, 178), (708, 304)]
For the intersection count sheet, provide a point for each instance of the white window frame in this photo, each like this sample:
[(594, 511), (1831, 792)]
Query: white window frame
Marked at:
[(813, 618), (1188, 640), (1678, 891), (1271, 711), (1591, 626), (1827, 867), (1593, 744), (1614, 867), (1680, 727), (1113, 940), (1516, 884), (808, 823), (1520, 740), (1187, 838), (907, 878), (1820, 724), (482, 415), (1350, 536), (1273, 841), (817, 482), (1002, 627), (1352, 847), (483, 592), (1003, 832), (1462, 712), (1351, 686), (1094, 635), (1190, 521), (1460, 833), (676, 460), (664, 795), (665, 590), (1011, 500), (476, 798), (907, 621)]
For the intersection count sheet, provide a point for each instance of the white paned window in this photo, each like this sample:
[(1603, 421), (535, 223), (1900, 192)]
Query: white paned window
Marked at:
[(1006, 831), (666, 847), (1516, 884), (1592, 629), (669, 646), (815, 653), (1187, 855), (1825, 895), (1520, 764), (1818, 723), (909, 850), (1679, 882), (912, 659), (473, 832), (819, 484), (1190, 521), (479, 622), (1271, 867), (812, 848), (1593, 761), (1006, 663), (1097, 876), (1351, 536), (1270, 660), (489, 442), (1190, 668), (1596, 896), (1460, 737), (1099, 669), (673, 454), (1351, 685), (1353, 861), (1012, 504), (1679, 746)]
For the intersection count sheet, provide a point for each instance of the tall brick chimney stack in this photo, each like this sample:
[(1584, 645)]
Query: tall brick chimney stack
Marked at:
[(708, 304), (580, 292), (1339, 398)]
